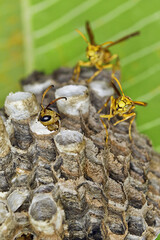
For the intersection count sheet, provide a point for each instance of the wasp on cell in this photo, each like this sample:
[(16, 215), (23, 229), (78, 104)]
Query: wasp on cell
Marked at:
[(47, 116), (98, 56), (122, 106)]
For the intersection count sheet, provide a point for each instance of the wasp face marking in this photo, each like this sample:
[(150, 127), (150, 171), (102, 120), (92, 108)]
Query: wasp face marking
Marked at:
[(93, 53), (121, 104)]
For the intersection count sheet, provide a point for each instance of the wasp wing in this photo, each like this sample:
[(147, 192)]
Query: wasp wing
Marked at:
[(90, 33), (124, 38)]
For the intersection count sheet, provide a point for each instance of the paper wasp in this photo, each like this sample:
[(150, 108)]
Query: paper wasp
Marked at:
[(47, 116), (98, 55), (122, 106)]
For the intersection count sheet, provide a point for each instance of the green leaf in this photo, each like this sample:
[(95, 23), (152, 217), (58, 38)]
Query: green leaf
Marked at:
[(158, 238), (41, 35), (11, 47)]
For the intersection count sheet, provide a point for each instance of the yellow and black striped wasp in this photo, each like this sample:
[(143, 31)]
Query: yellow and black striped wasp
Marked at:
[(122, 106), (47, 116), (98, 56)]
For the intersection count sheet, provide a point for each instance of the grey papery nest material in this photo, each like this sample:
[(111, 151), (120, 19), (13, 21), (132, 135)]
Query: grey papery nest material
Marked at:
[(67, 184)]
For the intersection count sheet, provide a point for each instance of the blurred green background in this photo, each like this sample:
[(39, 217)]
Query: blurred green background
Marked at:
[(41, 35)]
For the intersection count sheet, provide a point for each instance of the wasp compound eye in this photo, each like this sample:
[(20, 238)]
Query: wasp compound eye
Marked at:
[(45, 118)]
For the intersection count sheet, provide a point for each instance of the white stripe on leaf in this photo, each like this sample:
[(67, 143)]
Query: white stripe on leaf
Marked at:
[(41, 6), (149, 96), (149, 125), (96, 24), (141, 77), (65, 18), (28, 41), (140, 54)]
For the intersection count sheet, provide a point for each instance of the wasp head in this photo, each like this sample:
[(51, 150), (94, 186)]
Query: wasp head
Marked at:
[(49, 118), (123, 104)]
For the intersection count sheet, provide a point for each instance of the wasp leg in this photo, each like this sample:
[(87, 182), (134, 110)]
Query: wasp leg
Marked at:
[(104, 230), (116, 66), (94, 75), (100, 68), (115, 56), (104, 105), (130, 124), (109, 116), (77, 69), (105, 127), (107, 66), (106, 116), (112, 106), (125, 117)]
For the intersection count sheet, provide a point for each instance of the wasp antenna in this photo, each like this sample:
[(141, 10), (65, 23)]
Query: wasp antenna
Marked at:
[(116, 89), (82, 35), (118, 84), (140, 103), (44, 94), (55, 100), (105, 43)]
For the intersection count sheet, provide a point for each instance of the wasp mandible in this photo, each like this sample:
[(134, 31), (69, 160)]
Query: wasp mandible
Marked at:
[(99, 56), (47, 116), (122, 106)]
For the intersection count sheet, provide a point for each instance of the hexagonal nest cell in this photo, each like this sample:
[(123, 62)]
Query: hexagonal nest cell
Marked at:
[(69, 184)]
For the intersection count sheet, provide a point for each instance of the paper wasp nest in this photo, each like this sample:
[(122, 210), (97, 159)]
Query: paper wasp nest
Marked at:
[(68, 185)]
